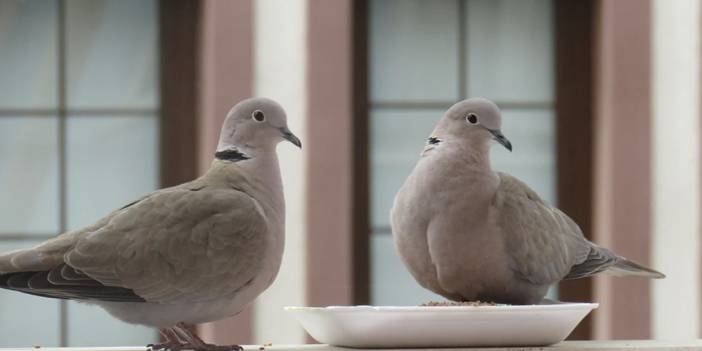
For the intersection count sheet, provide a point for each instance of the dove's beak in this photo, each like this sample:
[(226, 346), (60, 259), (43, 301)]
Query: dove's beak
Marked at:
[(289, 136), (500, 138)]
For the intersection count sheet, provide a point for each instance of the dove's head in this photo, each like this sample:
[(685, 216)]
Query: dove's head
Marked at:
[(477, 121), (252, 126)]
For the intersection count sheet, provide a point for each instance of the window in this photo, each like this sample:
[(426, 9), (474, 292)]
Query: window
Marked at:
[(423, 57), (78, 138)]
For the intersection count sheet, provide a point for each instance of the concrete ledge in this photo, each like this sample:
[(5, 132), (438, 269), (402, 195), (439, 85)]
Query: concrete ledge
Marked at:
[(646, 345)]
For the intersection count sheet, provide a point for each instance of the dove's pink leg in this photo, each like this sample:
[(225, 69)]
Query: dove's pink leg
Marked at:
[(195, 343), (172, 342)]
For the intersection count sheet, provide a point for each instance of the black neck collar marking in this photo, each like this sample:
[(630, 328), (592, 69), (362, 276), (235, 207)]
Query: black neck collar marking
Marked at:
[(433, 141), (232, 155)]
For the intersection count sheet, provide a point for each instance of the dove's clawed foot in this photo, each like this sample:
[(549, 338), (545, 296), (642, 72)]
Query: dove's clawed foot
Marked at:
[(172, 341), (180, 338), (210, 347), (190, 340), (166, 346)]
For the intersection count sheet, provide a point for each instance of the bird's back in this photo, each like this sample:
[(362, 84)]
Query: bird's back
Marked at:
[(201, 241), (546, 246), (542, 243)]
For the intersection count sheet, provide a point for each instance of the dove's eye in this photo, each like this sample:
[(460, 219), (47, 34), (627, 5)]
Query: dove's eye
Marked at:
[(472, 118), (258, 116)]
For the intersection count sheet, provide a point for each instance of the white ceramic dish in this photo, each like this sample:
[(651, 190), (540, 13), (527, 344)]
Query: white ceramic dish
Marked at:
[(451, 326)]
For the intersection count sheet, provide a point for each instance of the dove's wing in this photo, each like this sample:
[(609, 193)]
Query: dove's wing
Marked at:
[(41, 270), (65, 282), (542, 242), (544, 245), (180, 244), (598, 260)]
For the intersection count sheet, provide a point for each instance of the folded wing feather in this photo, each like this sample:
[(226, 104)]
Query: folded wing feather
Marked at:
[(150, 250)]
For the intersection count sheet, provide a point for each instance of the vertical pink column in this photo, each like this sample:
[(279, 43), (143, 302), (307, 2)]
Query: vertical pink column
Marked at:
[(330, 148), (622, 181), (337, 215), (226, 67)]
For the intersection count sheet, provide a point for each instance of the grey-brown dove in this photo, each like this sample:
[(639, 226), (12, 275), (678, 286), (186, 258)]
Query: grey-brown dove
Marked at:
[(197, 252), (469, 233)]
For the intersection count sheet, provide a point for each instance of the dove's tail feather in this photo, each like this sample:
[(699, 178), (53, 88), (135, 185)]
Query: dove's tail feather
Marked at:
[(65, 282), (601, 260), (42, 257), (627, 267), (6, 265), (19, 260)]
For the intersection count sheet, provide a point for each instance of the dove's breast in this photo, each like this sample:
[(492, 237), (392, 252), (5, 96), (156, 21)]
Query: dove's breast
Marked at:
[(443, 225), (409, 220)]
